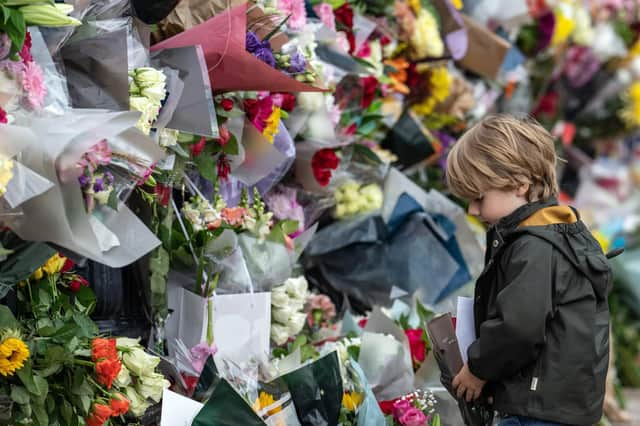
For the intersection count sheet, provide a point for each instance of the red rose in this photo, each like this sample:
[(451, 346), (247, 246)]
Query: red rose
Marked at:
[(197, 148), (107, 370), (3, 116), (224, 167), (288, 102), (103, 349), (344, 15), (68, 265), (417, 344), (351, 38), (224, 136), (119, 404), (322, 176), (226, 104), (387, 406), (100, 415), (362, 323), (369, 86), (325, 159), (74, 286), (163, 193)]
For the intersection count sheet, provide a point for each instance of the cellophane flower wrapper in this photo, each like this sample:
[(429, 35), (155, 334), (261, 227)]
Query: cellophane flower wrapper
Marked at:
[(59, 215), (97, 59), (25, 183)]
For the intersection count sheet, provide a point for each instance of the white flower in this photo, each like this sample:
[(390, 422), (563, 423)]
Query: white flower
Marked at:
[(147, 76), (192, 215), (210, 215), (139, 362), (102, 197), (127, 343), (279, 296), (124, 377), (279, 334), (137, 404), (310, 101), (151, 386), (297, 287), (282, 314), (296, 323), (156, 93), (168, 137)]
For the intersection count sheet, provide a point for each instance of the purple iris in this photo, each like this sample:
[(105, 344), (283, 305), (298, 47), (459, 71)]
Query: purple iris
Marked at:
[(253, 43), (298, 63), (84, 180), (97, 185)]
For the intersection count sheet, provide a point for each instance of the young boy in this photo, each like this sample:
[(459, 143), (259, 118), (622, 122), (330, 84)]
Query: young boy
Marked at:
[(541, 313)]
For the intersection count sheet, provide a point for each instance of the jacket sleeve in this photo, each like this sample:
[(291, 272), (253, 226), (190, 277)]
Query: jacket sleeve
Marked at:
[(514, 334)]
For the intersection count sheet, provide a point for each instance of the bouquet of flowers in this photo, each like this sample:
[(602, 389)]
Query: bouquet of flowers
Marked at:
[(147, 90), (414, 409)]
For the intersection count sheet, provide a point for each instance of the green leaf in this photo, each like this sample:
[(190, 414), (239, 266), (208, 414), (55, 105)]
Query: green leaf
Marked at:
[(86, 298), (87, 326), (66, 410), (354, 352), (41, 414), (25, 376), (7, 320), (178, 149), (367, 128), (6, 13), (423, 313), (364, 63), (16, 29), (112, 202), (366, 153), (231, 148), (19, 395), (42, 386), (207, 167)]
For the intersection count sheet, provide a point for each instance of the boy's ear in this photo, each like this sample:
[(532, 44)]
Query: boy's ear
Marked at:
[(523, 189)]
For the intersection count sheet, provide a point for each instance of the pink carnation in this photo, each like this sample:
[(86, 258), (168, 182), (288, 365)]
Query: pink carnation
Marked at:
[(325, 13), (33, 85), (297, 10)]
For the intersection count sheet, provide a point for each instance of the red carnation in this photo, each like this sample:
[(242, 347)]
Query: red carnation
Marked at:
[(288, 102), (226, 104), (325, 159), (417, 344)]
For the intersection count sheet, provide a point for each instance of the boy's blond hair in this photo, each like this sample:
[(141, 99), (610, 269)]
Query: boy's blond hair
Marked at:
[(503, 152)]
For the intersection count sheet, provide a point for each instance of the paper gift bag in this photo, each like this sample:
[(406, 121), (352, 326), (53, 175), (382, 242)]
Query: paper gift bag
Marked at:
[(486, 50)]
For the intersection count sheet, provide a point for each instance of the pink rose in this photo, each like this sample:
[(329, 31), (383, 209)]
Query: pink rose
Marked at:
[(413, 417), (400, 407)]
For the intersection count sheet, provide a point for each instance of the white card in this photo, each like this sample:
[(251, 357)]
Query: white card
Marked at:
[(178, 410), (465, 325)]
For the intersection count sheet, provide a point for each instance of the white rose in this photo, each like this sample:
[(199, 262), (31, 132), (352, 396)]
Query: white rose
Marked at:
[(140, 103), (279, 334), (210, 215), (279, 296), (282, 314), (137, 404), (127, 342), (310, 101), (297, 287), (151, 386), (139, 362), (123, 378), (296, 323), (156, 93), (192, 215), (146, 76)]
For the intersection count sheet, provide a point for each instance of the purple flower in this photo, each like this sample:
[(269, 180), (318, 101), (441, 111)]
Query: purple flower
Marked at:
[(84, 180), (98, 185), (546, 25), (266, 56), (109, 177), (252, 43), (298, 63)]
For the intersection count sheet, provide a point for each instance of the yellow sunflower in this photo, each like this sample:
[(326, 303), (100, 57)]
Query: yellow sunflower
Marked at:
[(13, 353)]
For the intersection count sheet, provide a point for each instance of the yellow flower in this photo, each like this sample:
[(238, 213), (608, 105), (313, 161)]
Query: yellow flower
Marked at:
[(415, 6), (13, 353), (264, 401), (425, 39), (631, 111), (439, 90), (6, 173), (271, 130), (457, 4), (38, 274), (351, 400), (563, 28), (54, 264)]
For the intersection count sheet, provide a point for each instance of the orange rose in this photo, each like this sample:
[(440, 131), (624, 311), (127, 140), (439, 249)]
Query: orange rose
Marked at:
[(100, 415), (119, 404), (107, 370), (103, 349)]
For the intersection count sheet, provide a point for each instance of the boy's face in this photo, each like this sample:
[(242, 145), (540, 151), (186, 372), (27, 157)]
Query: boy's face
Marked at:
[(495, 204)]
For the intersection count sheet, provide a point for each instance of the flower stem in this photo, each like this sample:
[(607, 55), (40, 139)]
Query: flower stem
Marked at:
[(93, 382), (209, 322)]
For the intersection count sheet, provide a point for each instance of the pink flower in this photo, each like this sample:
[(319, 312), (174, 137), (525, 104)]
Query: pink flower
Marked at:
[(321, 309), (284, 205), (200, 353), (297, 10), (98, 155), (33, 85), (25, 53), (413, 417), (3, 116), (325, 13), (401, 406)]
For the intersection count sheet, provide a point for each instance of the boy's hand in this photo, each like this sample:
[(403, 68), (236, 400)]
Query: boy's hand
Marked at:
[(466, 385)]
